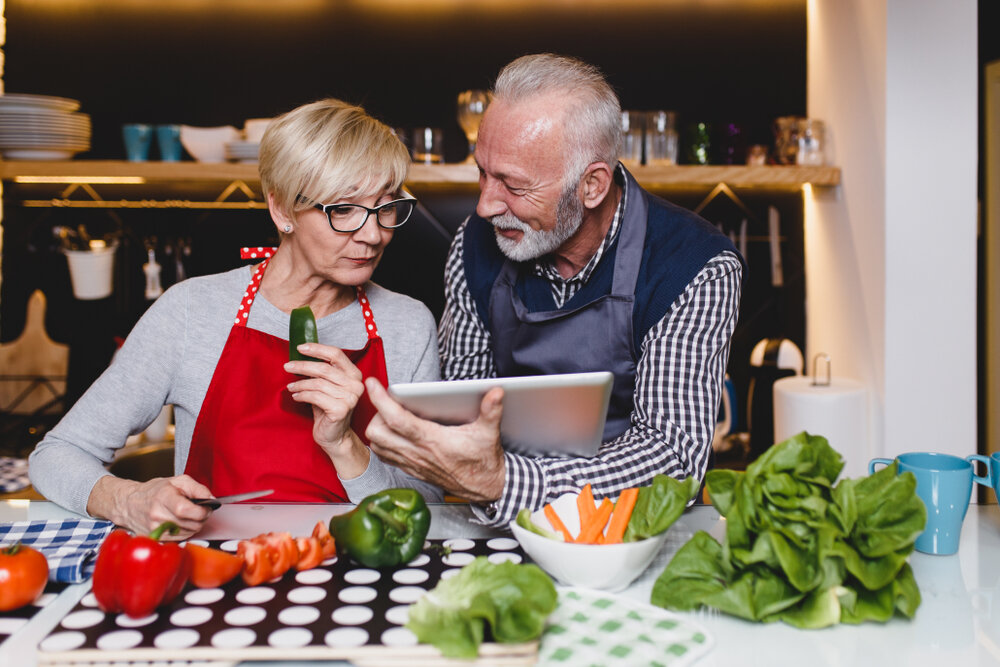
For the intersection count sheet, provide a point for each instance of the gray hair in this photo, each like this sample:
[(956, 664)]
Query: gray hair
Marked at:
[(592, 113)]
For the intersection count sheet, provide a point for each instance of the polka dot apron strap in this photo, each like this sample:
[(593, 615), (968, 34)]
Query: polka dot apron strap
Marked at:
[(366, 310), (252, 253)]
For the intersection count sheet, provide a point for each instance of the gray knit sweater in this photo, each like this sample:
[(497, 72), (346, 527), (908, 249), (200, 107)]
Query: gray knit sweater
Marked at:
[(170, 357)]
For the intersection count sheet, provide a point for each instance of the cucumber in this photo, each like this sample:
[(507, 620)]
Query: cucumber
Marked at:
[(301, 329)]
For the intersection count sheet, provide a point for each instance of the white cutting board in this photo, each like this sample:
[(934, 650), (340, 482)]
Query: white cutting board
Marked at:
[(34, 354)]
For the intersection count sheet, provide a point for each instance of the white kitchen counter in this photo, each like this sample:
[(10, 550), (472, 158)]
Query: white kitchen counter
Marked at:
[(955, 625)]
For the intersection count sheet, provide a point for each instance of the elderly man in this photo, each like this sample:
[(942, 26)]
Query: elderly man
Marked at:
[(566, 244)]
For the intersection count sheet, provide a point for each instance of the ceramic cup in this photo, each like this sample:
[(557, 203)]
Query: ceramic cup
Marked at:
[(994, 473), (138, 138), (168, 138), (944, 484)]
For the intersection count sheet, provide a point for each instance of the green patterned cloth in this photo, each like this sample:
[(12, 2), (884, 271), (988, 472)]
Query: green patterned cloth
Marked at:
[(592, 628)]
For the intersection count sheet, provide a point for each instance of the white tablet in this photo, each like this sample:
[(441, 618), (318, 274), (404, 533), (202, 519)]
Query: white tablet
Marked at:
[(559, 415)]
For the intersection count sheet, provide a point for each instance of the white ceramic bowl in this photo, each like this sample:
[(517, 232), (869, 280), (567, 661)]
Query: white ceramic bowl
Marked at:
[(208, 144), (254, 128), (610, 567)]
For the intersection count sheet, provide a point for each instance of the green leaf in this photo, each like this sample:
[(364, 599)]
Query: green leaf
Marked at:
[(693, 574), (890, 513), (658, 506), (721, 485), (801, 547), (819, 609), (514, 599)]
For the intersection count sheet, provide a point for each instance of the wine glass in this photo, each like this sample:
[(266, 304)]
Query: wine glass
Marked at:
[(471, 106)]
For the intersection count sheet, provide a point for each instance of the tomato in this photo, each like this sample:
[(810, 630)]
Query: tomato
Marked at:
[(267, 557), (256, 562), (310, 553), (23, 573), (212, 567), (322, 533)]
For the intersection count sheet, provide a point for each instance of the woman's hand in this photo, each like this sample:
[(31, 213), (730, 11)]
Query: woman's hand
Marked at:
[(333, 387), (142, 506)]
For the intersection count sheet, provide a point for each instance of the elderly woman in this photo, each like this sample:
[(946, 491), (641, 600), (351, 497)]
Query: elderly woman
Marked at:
[(216, 347)]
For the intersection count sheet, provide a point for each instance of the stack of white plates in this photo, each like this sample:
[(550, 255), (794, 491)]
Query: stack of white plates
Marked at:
[(42, 127), (242, 151)]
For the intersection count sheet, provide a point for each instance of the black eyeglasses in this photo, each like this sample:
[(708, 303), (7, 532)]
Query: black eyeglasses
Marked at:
[(347, 218)]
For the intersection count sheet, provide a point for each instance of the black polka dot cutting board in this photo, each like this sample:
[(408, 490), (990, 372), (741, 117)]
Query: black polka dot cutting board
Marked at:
[(337, 611)]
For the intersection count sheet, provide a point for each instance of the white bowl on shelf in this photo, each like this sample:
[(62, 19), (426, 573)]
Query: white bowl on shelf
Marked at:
[(254, 128), (610, 567), (208, 144)]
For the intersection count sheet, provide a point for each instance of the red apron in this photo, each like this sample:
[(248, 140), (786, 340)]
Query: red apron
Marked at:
[(251, 435)]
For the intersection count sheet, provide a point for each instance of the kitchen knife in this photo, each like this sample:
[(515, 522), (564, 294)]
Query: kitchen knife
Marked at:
[(216, 503)]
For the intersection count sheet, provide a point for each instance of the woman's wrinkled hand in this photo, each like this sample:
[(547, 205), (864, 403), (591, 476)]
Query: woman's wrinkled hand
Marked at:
[(142, 506), (333, 386)]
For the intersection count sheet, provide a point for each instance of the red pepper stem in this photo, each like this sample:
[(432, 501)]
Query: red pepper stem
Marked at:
[(387, 518), (12, 549), (168, 526)]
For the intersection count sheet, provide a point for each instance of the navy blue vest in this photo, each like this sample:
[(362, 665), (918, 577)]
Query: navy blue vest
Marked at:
[(593, 330)]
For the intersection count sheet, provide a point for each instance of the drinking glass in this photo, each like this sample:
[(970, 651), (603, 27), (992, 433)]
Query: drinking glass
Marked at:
[(471, 106), (631, 147), (661, 138), (427, 145)]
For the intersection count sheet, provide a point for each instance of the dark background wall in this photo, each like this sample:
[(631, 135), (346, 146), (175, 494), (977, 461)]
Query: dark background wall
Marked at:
[(218, 63), (202, 62)]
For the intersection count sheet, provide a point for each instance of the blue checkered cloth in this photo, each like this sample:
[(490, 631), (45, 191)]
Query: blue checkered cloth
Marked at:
[(13, 474), (70, 545)]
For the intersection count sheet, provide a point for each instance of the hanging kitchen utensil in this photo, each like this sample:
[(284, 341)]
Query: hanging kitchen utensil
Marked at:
[(774, 236)]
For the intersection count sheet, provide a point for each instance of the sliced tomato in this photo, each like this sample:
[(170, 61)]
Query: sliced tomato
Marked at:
[(267, 556), (211, 568), (256, 562), (310, 553), (322, 533), (284, 550)]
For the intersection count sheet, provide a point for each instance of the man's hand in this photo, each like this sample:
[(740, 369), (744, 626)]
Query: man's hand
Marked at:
[(142, 506), (466, 461)]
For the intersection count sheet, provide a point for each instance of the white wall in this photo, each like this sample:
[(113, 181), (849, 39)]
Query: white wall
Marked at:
[(891, 253)]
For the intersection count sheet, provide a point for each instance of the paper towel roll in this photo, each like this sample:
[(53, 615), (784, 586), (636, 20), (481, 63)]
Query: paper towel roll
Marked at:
[(837, 411)]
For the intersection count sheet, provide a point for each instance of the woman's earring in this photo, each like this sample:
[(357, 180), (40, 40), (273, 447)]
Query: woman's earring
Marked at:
[(288, 228)]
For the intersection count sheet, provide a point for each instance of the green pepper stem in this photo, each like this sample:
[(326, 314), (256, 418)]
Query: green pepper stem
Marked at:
[(387, 518), (169, 526)]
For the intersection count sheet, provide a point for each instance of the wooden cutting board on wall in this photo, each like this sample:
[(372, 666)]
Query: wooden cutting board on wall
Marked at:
[(33, 366)]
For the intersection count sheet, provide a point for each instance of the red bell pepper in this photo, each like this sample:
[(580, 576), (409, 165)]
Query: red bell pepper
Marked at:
[(135, 575)]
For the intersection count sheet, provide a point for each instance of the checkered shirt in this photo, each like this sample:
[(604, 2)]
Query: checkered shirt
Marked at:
[(679, 377)]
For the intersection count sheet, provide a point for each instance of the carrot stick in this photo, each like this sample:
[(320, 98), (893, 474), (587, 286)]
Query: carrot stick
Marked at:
[(621, 515), (550, 514), (588, 534), (585, 505)]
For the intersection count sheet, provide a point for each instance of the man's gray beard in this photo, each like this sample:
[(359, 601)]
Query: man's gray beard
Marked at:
[(535, 243)]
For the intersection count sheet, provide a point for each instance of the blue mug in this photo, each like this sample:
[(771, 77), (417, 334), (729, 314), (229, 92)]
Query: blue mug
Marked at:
[(995, 473), (138, 138), (168, 137), (944, 484)]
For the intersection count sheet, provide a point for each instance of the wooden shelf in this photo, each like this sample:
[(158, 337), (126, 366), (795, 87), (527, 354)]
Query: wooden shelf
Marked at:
[(683, 176)]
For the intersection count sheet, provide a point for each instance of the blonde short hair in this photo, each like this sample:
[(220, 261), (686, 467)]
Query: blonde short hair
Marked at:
[(328, 151)]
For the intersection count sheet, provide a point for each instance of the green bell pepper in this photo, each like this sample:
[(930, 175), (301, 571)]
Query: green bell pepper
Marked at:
[(385, 529), (301, 329)]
